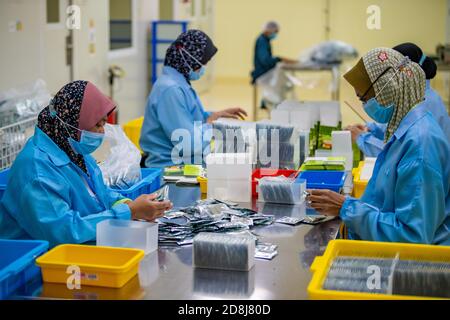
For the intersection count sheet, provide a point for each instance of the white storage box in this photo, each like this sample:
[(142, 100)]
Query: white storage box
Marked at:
[(235, 190), (341, 141), (330, 113), (128, 234), (229, 166)]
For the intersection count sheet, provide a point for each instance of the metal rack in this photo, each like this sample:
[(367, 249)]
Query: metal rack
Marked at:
[(13, 138)]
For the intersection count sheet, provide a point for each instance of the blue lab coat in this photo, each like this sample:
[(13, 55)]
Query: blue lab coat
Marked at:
[(263, 60), (408, 197), (48, 197), (173, 104), (371, 143)]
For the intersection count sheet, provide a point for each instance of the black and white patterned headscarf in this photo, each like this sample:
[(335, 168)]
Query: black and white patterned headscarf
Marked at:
[(67, 104), (198, 44)]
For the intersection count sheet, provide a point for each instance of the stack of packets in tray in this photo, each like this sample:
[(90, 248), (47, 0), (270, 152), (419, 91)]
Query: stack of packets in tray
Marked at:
[(324, 163), (180, 227)]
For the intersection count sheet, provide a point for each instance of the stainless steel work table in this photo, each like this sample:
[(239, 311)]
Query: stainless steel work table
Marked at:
[(168, 273)]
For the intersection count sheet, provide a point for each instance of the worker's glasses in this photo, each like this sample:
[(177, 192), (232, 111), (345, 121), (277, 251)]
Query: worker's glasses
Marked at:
[(362, 98), (398, 68)]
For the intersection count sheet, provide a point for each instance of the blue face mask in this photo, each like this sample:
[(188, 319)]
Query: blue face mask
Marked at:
[(196, 75), (273, 36), (89, 142), (377, 112), (193, 75)]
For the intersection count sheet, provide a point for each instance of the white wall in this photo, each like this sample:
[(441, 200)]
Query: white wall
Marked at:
[(92, 66), (24, 54), (132, 91), (39, 52)]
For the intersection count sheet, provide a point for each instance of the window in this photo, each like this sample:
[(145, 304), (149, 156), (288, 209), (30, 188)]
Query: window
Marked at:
[(122, 27), (53, 11)]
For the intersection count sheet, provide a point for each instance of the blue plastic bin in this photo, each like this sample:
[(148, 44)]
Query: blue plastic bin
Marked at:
[(151, 181), (4, 174), (332, 180), (17, 263)]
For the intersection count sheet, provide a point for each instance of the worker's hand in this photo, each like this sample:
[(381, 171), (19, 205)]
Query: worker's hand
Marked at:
[(356, 130), (234, 113), (145, 208), (289, 61), (326, 202)]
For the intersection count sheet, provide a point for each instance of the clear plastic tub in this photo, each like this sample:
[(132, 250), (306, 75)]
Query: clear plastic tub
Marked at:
[(281, 190), (229, 166), (128, 234), (230, 189)]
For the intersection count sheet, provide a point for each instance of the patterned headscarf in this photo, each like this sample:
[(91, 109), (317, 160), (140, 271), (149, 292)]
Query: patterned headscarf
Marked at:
[(401, 82), (75, 98), (198, 44)]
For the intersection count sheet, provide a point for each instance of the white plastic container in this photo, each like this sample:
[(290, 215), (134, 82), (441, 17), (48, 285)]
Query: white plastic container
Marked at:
[(128, 234), (280, 116), (236, 166), (342, 147), (230, 189), (341, 141), (330, 113)]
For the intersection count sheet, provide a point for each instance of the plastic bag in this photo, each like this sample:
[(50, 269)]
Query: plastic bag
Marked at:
[(328, 52), (23, 102), (275, 85), (121, 169)]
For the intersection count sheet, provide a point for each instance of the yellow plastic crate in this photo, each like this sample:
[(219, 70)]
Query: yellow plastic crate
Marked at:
[(133, 130), (369, 249), (132, 290), (359, 186), (203, 184), (99, 266)]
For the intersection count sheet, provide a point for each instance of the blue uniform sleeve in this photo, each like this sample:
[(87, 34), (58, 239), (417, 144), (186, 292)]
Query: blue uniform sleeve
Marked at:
[(419, 211), (370, 145), (206, 114), (46, 214), (174, 114), (264, 56), (377, 129), (115, 197)]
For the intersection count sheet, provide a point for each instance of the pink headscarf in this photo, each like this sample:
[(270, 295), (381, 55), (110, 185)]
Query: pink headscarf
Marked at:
[(94, 107)]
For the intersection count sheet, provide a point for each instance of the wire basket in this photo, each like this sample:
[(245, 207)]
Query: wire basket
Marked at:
[(13, 138)]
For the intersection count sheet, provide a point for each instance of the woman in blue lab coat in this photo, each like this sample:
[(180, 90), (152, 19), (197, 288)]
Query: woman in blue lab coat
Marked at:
[(408, 197), (55, 190), (175, 124), (370, 138)]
